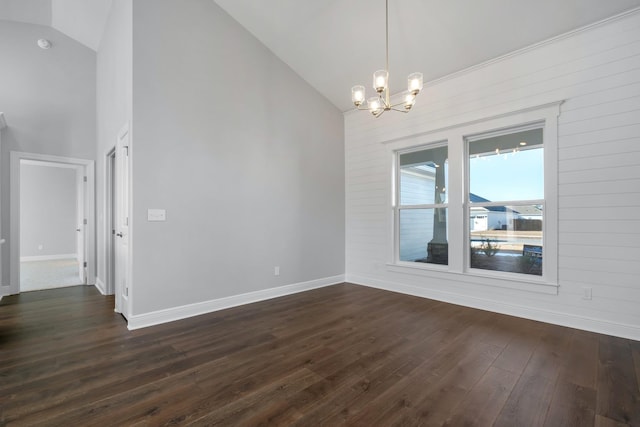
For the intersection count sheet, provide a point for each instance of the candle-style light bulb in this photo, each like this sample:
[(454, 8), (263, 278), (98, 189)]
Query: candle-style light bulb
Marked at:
[(380, 80), (415, 83), (409, 99), (373, 104), (357, 95)]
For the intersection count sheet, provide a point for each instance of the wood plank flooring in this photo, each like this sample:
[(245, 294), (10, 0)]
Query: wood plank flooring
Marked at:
[(341, 355)]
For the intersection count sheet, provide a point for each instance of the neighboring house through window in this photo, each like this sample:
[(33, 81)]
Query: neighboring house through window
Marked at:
[(506, 201)]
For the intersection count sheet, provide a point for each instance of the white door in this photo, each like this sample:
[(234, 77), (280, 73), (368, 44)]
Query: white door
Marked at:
[(122, 223), (80, 222)]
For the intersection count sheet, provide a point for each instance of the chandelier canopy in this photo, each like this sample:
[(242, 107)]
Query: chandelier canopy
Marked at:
[(381, 102)]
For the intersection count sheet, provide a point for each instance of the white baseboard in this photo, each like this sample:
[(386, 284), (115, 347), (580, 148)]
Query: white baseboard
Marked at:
[(48, 257), (100, 286), (563, 319), (176, 313)]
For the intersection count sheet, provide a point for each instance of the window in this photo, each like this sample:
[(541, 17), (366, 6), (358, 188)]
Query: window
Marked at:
[(482, 205), (505, 201), (422, 206)]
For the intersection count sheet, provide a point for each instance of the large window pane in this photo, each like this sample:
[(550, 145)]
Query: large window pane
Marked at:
[(423, 235), (423, 177), (506, 200), (506, 238), (507, 167), (422, 184)]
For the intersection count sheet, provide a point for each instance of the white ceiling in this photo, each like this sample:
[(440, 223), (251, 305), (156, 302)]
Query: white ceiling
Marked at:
[(335, 44), (82, 20)]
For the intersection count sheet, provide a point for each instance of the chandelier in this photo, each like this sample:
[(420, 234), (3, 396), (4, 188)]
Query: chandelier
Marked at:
[(380, 103)]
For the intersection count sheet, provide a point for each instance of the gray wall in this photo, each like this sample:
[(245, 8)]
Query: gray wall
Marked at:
[(246, 158), (48, 97), (48, 211), (113, 81)]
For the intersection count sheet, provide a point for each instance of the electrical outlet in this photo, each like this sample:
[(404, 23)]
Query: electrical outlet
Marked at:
[(587, 293), (156, 215), (276, 270)]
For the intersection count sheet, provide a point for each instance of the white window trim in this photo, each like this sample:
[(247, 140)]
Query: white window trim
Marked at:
[(544, 116)]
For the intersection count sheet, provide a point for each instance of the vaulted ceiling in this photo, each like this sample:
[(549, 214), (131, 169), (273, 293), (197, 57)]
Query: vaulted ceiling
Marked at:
[(334, 44), (82, 20)]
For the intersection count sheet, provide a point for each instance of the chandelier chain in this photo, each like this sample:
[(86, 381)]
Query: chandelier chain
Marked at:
[(386, 31)]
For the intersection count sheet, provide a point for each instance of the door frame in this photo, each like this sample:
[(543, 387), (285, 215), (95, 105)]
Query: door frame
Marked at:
[(3, 289), (81, 238), (109, 228), (14, 212)]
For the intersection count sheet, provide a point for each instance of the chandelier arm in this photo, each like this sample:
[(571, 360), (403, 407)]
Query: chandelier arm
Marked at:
[(399, 111), (396, 105), (383, 109)]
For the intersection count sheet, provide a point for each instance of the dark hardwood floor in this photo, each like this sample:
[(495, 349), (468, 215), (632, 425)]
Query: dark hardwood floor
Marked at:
[(339, 355)]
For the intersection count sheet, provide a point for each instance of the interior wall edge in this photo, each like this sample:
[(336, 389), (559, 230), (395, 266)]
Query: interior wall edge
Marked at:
[(100, 286)]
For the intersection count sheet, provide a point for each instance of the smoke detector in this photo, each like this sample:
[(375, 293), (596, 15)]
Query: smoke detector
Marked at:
[(44, 44)]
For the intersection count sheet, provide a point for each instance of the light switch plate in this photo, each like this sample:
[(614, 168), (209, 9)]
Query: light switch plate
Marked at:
[(156, 215)]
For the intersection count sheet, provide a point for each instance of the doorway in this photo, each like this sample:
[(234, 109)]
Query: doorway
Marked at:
[(62, 235), (52, 235)]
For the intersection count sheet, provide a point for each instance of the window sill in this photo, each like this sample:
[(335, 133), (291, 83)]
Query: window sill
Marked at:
[(477, 277)]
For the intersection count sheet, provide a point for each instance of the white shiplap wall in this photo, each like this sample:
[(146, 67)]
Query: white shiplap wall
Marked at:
[(597, 72)]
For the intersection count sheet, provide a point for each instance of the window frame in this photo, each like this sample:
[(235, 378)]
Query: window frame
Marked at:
[(467, 190), (455, 137), (397, 205)]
